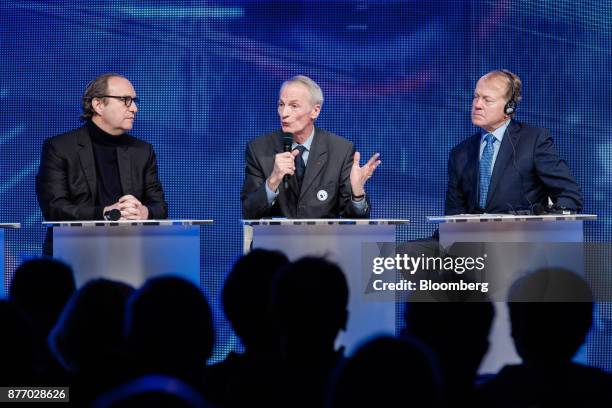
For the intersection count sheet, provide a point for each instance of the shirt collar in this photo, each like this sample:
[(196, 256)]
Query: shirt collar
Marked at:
[(498, 133), (307, 143)]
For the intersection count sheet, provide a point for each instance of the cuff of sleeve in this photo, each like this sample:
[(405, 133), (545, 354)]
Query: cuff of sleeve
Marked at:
[(99, 213), (271, 195), (567, 204), (360, 205)]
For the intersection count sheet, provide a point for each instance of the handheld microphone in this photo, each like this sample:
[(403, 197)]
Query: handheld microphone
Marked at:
[(287, 139), (112, 215)]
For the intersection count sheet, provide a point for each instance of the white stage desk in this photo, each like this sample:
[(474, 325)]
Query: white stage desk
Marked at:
[(129, 251), (339, 240), (537, 230)]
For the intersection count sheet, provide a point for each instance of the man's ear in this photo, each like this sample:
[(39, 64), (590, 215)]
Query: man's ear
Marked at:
[(98, 105), (316, 110)]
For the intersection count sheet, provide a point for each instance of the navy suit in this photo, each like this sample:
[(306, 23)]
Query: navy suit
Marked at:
[(328, 170), (527, 171)]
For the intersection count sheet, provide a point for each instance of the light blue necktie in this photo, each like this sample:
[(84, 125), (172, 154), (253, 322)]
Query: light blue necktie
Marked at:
[(486, 166)]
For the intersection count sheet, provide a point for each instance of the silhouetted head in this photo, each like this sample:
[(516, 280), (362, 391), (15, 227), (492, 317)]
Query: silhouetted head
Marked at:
[(16, 345), (551, 313), (457, 332), (89, 332), (169, 326), (152, 391), (387, 372), (310, 300), (41, 287), (247, 296)]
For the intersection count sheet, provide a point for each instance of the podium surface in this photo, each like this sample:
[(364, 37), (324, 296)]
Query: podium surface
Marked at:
[(538, 231), (129, 251), (511, 228), (4, 226), (340, 241)]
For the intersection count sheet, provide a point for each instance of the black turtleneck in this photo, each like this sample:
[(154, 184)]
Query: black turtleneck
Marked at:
[(107, 169)]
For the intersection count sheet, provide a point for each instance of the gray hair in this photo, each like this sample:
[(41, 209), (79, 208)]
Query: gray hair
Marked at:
[(316, 93)]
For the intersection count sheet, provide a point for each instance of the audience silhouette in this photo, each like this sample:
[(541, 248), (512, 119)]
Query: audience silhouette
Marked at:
[(550, 313), (249, 377), (310, 299), (152, 391), (387, 372), (118, 347), (88, 338), (17, 346), (169, 330), (457, 332), (41, 287)]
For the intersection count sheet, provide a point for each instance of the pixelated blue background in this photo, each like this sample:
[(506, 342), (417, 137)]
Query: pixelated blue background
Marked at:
[(397, 76)]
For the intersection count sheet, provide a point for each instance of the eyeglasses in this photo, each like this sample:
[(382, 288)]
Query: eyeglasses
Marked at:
[(127, 100)]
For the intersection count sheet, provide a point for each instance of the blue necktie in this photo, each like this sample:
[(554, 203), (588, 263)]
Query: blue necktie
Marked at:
[(300, 166), (486, 166)]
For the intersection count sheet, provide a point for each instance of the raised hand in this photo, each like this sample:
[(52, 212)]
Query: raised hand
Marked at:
[(359, 175)]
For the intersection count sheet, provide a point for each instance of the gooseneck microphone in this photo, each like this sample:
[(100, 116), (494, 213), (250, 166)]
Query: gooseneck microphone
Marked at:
[(287, 139), (112, 215), (539, 209)]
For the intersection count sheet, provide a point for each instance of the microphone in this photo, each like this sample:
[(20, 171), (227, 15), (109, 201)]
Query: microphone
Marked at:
[(539, 209), (287, 139), (535, 209), (112, 215)]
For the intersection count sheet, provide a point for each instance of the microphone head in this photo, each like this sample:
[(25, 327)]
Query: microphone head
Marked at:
[(112, 215), (287, 139), (539, 209)]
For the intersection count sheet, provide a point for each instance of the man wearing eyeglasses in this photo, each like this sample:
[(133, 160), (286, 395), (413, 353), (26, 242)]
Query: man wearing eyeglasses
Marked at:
[(98, 171)]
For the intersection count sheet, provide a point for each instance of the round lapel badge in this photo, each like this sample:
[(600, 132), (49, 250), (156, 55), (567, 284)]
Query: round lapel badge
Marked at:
[(322, 195)]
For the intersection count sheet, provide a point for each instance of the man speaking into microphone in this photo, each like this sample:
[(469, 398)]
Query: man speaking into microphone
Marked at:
[(98, 171), (302, 171)]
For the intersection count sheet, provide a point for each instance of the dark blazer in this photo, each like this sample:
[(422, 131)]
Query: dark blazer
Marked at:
[(527, 171), (66, 179), (328, 168)]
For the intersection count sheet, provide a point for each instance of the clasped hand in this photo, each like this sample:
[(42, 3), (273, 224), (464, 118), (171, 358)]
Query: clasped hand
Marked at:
[(130, 207)]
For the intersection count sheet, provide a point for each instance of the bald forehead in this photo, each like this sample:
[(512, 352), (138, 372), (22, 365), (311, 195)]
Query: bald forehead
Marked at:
[(492, 85), (494, 80), (122, 86)]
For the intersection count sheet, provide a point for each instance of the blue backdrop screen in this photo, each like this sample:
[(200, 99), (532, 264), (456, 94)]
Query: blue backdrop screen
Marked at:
[(397, 76)]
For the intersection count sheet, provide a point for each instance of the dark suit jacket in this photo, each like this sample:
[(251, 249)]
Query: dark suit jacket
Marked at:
[(527, 171), (328, 168), (66, 180)]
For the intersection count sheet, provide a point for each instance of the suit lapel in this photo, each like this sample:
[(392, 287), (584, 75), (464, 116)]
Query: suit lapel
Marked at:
[(125, 172), (473, 169), (317, 157), (503, 158), (87, 160)]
